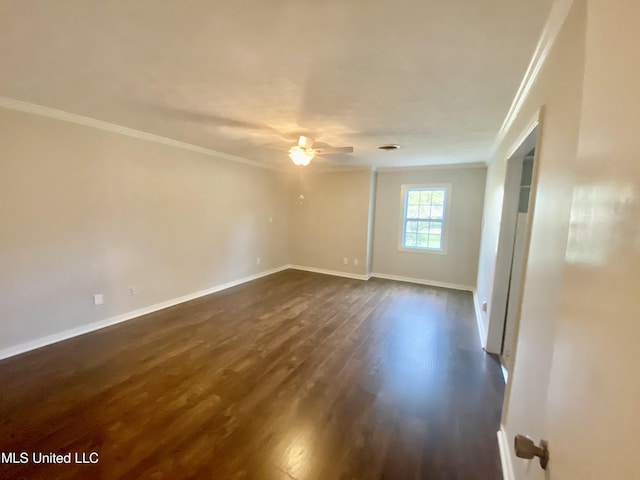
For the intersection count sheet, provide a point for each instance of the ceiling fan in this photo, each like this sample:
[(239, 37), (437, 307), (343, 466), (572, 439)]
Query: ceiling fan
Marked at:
[(302, 153)]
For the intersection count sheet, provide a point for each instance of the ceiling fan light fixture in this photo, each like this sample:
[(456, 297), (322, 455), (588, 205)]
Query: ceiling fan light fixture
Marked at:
[(301, 156)]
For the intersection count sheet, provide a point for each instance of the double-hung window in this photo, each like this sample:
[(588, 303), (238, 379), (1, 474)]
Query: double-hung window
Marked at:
[(424, 217)]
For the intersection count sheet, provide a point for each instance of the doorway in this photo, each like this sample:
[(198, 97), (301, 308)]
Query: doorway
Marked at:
[(519, 189), (514, 289)]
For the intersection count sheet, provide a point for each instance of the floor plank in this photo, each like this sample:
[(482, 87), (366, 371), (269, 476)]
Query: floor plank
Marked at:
[(294, 376)]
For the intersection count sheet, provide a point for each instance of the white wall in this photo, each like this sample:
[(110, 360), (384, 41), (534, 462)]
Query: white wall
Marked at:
[(332, 223), (459, 265), (85, 211)]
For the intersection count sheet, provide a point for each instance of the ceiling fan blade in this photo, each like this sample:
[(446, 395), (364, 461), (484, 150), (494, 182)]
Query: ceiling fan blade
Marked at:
[(319, 162), (333, 150)]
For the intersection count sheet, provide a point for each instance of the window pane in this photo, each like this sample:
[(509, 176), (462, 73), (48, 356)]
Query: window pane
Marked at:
[(412, 211), (435, 241), (438, 197), (437, 211), (414, 197), (410, 239), (411, 227), (435, 228), (425, 197), (423, 226), (424, 211)]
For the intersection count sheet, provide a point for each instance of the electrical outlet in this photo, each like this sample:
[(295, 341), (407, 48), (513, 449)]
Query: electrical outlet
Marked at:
[(345, 260), (270, 219), (134, 291), (258, 260), (484, 305), (355, 261), (98, 299)]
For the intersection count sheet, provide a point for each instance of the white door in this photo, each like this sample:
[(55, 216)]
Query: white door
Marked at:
[(593, 404), (577, 372), (515, 289)]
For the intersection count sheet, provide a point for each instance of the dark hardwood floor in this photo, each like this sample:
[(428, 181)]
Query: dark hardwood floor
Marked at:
[(294, 376)]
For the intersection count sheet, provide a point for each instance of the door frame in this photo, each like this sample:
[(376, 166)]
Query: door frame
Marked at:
[(529, 139)]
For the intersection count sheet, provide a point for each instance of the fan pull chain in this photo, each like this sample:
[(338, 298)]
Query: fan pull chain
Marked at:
[(301, 197)]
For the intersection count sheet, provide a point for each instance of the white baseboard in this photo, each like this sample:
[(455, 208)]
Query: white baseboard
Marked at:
[(505, 372), (335, 273), (422, 281), (82, 329), (481, 330), (505, 455)]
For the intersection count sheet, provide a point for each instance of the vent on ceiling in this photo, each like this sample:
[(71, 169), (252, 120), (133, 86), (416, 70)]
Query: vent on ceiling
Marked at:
[(389, 147)]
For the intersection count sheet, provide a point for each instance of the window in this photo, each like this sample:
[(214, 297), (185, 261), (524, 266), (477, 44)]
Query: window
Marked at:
[(424, 216)]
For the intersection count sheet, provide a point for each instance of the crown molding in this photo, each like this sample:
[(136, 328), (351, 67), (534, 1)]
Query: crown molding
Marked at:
[(452, 166), (339, 169), (12, 104), (557, 16)]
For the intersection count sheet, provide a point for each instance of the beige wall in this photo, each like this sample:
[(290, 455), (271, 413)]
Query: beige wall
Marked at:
[(559, 89), (85, 211), (575, 380), (459, 265), (332, 223)]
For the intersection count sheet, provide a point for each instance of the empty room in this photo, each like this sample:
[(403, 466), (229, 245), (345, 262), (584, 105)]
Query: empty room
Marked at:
[(306, 240)]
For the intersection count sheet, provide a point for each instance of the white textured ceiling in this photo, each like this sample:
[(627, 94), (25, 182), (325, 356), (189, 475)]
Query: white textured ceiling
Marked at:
[(244, 76)]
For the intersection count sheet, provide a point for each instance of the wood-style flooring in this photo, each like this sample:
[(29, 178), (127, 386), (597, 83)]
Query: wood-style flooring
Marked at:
[(296, 376)]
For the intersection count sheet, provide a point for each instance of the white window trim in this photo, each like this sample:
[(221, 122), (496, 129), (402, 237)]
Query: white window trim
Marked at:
[(445, 222)]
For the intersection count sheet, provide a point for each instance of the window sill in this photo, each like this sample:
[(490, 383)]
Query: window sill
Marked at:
[(442, 251)]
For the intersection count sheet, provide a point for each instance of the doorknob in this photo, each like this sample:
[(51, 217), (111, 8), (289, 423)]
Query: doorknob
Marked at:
[(525, 448)]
